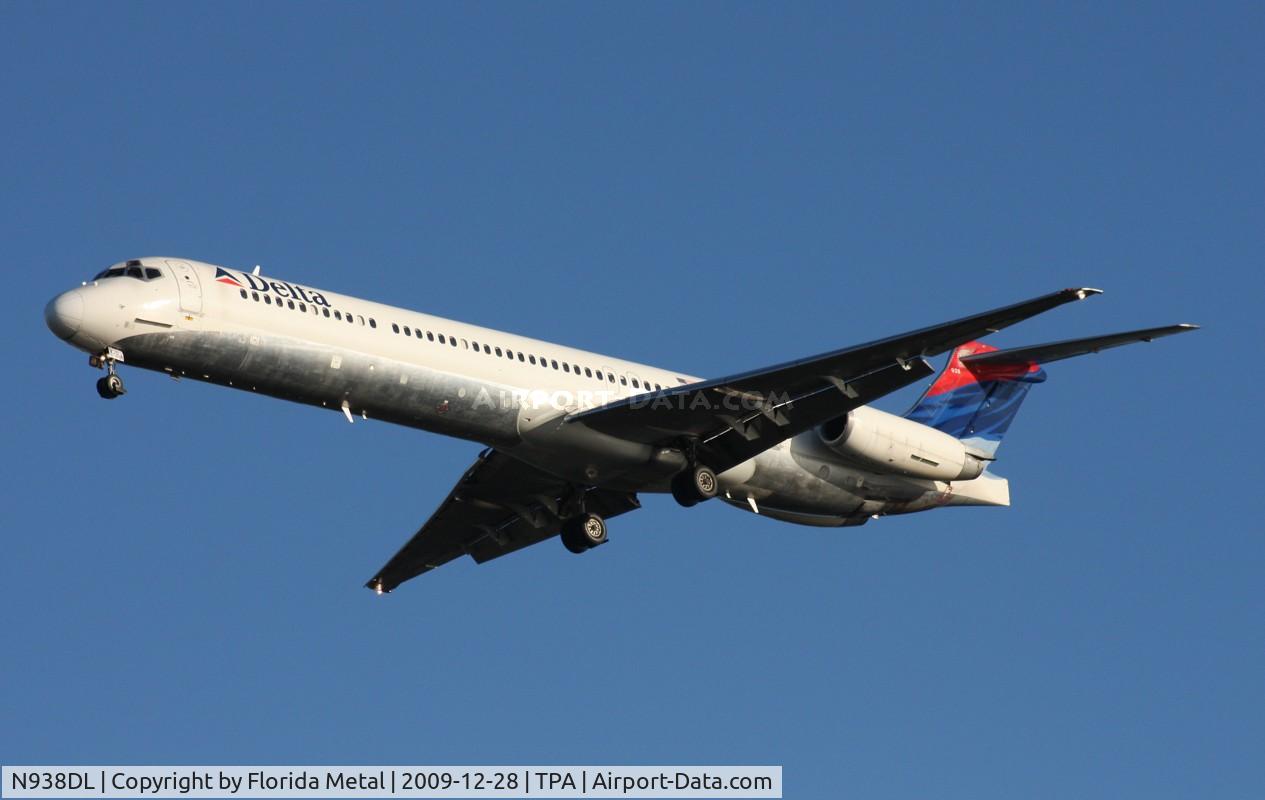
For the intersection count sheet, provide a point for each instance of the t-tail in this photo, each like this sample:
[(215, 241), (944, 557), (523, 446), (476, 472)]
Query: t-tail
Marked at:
[(979, 392)]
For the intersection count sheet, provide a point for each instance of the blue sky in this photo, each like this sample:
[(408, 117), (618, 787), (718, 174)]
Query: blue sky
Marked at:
[(712, 188)]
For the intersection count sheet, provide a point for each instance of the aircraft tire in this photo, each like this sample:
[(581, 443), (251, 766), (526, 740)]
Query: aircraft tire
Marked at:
[(705, 483), (583, 532), (110, 387), (693, 486)]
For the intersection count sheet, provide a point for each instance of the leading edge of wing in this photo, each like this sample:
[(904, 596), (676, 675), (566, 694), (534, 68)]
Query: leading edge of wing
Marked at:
[(863, 358)]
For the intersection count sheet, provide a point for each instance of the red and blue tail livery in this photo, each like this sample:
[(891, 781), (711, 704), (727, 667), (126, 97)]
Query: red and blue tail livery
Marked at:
[(976, 402)]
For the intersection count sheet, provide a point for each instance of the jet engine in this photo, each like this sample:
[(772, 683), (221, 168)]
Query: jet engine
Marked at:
[(882, 442)]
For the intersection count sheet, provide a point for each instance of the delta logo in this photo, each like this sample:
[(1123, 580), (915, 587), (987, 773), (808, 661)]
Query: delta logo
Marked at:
[(246, 280)]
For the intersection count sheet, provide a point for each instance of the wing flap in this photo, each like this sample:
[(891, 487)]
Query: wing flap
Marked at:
[(747, 437)]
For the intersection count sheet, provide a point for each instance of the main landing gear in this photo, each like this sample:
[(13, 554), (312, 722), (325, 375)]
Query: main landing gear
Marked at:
[(583, 532), (111, 386), (694, 485)]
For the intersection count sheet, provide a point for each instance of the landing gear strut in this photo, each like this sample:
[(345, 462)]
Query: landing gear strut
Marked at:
[(583, 532), (694, 485), (111, 386)]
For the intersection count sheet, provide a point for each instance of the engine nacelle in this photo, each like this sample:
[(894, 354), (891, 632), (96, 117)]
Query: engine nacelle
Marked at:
[(887, 443)]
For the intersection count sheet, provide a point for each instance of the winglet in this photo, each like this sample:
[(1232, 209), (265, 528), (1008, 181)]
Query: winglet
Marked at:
[(1085, 291)]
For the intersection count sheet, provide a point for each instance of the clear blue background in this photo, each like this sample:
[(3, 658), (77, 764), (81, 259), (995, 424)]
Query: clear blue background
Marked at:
[(711, 188)]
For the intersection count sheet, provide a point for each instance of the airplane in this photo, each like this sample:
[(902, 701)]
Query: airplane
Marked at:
[(570, 437)]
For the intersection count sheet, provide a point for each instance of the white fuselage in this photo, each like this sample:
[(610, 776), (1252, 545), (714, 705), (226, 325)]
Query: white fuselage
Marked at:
[(376, 361)]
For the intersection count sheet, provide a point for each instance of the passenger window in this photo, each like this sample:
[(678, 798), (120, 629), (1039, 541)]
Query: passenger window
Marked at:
[(475, 345), (566, 367), (623, 381), (520, 356), (610, 377), (509, 354), (290, 303), (498, 352), (417, 332), (325, 311), (430, 336), (350, 321), (153, 274), (338, 315), (268, 299), (532, 359), (487, 348), (254, 296), (395, 328), (244, 295), (452, 340), (373, 323), (554, 363), (635, 386), (407, 332), (441, 339), (135, 272), (303, 307), (588, 373), (361, 317)]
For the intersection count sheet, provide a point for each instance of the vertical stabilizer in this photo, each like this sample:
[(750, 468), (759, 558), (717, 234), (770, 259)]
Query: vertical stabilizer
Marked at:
[(976, 402)]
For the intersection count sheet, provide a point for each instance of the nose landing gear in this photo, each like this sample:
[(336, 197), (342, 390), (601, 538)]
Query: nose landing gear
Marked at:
[(111, 386)]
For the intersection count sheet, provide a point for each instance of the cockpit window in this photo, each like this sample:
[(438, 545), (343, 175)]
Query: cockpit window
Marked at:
[(140, 273)]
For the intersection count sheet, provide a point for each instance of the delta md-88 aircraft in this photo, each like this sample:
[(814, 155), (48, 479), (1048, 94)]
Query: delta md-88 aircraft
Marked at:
[(572, 437)]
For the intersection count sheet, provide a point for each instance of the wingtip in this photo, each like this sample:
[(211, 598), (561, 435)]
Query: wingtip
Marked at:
[(1084, 291)]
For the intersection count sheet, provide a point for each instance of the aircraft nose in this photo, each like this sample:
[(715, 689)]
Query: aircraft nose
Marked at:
[(64, 313)]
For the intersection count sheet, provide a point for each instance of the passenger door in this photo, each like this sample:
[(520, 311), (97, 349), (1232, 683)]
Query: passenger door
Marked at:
[(190, 286)]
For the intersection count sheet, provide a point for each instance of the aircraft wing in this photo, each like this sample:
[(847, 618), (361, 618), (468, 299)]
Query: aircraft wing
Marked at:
[(738, 417), (500, 505)]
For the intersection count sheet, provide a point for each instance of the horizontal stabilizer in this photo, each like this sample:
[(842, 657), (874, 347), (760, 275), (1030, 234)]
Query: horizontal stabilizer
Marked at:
[(1056, 351)]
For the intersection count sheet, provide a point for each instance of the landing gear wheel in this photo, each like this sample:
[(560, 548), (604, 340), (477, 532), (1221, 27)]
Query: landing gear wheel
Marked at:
[(583, 532), (110, 387), (693, 486)]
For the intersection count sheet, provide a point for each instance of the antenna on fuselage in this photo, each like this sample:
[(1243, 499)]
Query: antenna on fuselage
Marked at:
[(255, 271)]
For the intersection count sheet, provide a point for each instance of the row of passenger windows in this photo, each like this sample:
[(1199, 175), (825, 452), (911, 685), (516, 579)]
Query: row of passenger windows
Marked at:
[(281, 302), (528, 358), (430, 336)]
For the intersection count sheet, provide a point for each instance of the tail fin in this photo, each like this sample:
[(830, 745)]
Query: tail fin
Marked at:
[(976, 402)]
